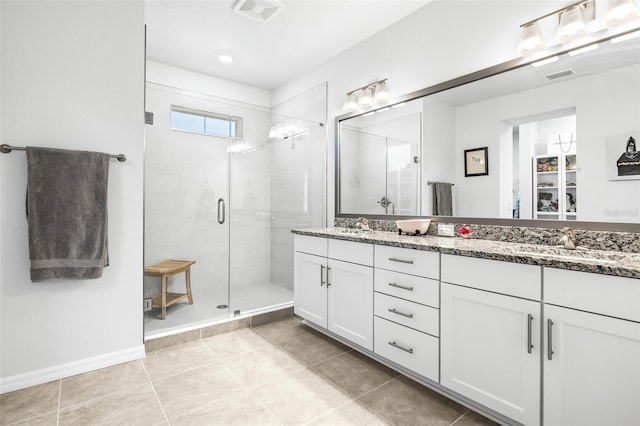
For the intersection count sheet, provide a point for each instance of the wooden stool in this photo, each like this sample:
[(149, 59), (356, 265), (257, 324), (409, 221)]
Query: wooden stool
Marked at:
[(165, 269)]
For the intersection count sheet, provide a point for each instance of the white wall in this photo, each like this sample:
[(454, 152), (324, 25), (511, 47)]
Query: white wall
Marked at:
[(441, 41), (195, 82), (72, 77)]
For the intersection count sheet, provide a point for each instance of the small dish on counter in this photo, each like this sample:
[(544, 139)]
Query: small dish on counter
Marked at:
[(413, 226)]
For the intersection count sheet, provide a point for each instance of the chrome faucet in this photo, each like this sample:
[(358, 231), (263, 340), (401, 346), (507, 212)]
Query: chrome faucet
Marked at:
[(363, 224), (569, 240)]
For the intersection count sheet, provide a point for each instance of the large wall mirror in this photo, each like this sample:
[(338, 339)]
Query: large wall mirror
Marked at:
[(559, 142)]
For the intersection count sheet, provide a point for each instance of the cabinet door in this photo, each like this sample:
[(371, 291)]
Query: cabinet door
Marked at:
[(490, 350), (593, 376), (350, 302), (309, 288)]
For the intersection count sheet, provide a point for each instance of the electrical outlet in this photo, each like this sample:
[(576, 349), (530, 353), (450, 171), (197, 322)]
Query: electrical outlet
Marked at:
[(147, 305), (445, 229)]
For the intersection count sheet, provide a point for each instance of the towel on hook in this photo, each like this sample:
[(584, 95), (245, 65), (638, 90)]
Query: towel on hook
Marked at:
[(67, 213), (442, 199)]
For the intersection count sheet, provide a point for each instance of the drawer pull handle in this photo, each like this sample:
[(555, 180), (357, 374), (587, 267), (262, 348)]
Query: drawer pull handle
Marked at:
[(529, 323), (321, 275), (401, 286), (394, 311), (549, 340), (395, 345), (394, 259), (328, 283)]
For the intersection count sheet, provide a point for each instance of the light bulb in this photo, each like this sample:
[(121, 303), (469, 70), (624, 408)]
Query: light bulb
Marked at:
[(351, 103), (620, 12), (571, 25), (530, 39), (382, 93), (366, 98)]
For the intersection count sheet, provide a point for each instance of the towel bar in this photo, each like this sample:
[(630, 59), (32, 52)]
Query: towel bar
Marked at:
[(5, 149)]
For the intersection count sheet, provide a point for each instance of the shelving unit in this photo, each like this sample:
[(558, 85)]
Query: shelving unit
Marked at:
[(555, 187)]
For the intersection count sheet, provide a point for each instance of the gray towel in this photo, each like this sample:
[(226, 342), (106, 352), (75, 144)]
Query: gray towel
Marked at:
[(67, 213), (442, 205)]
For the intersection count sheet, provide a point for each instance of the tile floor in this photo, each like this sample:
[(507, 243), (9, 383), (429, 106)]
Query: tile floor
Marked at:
[(282, 373)]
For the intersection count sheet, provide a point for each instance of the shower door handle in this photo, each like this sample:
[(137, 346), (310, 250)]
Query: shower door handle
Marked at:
[(221, 211)]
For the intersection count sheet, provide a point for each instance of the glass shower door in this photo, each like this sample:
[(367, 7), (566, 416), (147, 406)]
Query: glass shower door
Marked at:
[(186, 209)]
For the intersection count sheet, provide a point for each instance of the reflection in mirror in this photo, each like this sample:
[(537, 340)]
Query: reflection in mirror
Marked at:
[(555, 135), (380, 163)]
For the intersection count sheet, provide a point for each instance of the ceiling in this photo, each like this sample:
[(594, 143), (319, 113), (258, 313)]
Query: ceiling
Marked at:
[(191, 34)]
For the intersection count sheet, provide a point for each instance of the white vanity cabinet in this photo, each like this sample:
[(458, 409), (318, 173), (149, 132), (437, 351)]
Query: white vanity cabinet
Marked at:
[(490, 334), (592, 349), (333, 286), (407, 315)]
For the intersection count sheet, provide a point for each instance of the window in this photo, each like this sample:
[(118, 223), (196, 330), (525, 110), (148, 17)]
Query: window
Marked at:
[(207, 123)]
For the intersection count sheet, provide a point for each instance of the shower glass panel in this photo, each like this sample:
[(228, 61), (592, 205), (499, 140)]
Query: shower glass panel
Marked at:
[(277, 183), (229, 202)]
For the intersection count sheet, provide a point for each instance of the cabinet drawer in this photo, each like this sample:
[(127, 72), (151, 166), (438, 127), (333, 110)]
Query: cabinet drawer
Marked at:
[(409, 348), (311, 245), (419, 317), (415, 262), (349, 251), (513, 279), (601, 294), (416, 289)]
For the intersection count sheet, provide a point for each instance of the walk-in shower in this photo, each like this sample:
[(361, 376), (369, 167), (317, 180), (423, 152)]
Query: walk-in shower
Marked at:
[(224, 185)]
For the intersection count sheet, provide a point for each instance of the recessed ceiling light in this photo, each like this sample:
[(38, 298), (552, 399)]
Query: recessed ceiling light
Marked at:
[(225, 59)]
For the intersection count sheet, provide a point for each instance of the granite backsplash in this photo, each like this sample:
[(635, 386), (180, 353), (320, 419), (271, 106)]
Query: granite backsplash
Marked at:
[(628, 242)]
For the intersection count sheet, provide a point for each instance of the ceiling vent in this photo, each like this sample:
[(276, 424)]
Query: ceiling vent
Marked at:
[(258, 10), (559, 74)]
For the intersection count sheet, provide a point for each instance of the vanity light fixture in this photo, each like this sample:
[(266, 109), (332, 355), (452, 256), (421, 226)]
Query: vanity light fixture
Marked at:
[(382, 94), (620, 12), (366, 96), (530, 39), (571, 26)]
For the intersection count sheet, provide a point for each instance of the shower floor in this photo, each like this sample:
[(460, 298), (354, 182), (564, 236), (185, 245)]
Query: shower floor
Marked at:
[(246, 298)]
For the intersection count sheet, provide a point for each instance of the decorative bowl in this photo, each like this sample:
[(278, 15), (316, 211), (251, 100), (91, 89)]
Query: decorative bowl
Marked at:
[(413, 226)]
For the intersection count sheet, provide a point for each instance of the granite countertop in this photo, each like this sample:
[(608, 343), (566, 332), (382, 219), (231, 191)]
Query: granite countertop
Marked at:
[(596, 261)]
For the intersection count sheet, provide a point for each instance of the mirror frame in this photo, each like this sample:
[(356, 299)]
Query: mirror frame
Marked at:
[(459, 81)]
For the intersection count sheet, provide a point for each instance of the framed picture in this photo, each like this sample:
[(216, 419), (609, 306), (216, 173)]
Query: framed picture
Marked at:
[(476, 162), (623, 156)]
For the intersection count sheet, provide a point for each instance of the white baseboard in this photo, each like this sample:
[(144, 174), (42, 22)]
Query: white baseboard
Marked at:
[(24, 380)]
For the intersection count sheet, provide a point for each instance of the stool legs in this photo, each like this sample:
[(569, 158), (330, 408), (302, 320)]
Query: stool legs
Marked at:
[(188, 280), (164, 296)]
